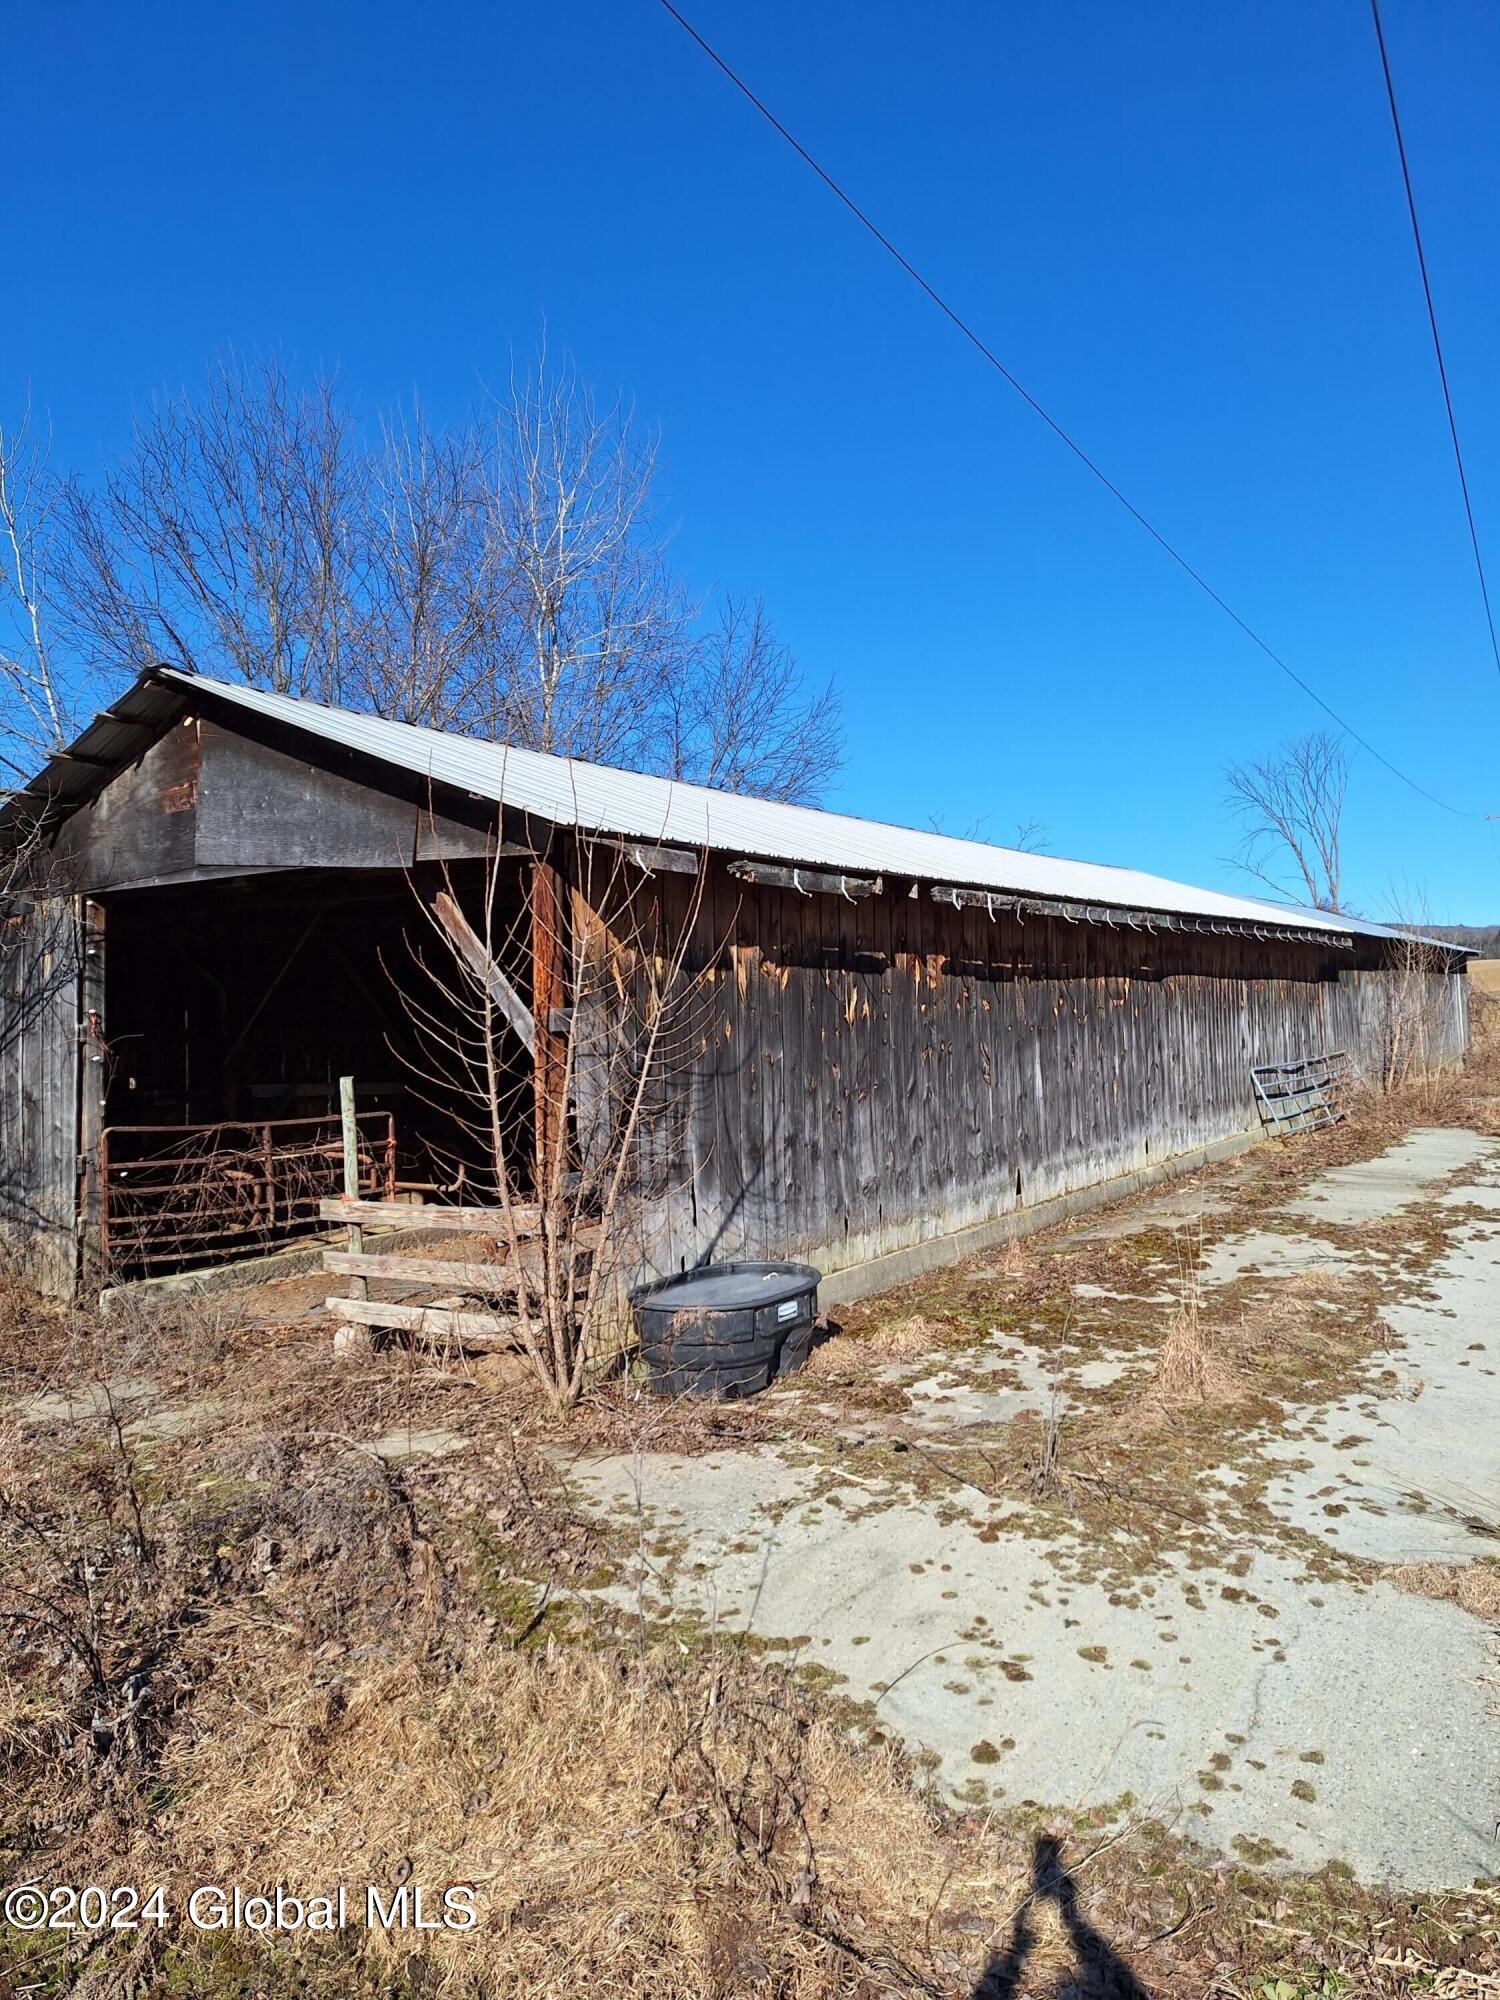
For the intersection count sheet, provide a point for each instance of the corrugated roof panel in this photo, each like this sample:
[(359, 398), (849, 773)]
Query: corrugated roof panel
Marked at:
[(634, 805)]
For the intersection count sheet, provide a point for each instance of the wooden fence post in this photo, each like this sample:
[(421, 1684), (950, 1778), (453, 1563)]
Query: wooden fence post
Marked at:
[(352, 1339), (359, 1289)]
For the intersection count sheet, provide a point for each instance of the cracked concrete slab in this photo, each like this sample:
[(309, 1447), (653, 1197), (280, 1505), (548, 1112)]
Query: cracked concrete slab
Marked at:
[(1258, 1707), (957, 1394), (1249, 1707), (175, 1420), (1413, 1474), (1270, 1253), (146, 1415), (81, 1403), (1372, 1190), (1179, 1207), (1410, 1471)]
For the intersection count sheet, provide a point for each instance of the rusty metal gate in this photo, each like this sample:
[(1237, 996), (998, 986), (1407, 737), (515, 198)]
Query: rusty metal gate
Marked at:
[(176, 1195), (1303, 1095)]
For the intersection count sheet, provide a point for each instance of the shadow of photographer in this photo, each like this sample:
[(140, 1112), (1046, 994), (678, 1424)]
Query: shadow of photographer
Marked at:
[(1098, 1970)]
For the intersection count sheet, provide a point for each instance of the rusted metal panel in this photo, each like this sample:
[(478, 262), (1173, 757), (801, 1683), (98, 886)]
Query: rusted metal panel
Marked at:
[(173, 1196)]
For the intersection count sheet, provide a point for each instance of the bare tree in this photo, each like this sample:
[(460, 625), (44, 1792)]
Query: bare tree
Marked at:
[(223, 542), (505, 577), (422, 625), (595, 624), (1290, 807), (565, 1117), (1417, 997), (727, 717), (1030, 836), (37, 716)]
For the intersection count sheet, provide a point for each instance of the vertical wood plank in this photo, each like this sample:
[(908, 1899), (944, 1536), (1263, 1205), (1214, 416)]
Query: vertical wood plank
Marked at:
[(92, 1084)]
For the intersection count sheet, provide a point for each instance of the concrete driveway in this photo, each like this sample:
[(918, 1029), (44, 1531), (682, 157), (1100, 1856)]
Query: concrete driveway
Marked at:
[(1270, 1694)]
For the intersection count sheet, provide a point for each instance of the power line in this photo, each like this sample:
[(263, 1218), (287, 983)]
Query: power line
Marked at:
[(1437, 345), (975, 341)]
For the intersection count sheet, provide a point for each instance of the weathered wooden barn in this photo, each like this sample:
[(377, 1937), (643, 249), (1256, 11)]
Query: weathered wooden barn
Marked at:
[(905, 1036)]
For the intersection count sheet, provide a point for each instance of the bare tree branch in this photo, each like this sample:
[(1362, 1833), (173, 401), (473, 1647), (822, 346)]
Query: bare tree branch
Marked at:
[(1290, 807), (37, 716), (505, 577)]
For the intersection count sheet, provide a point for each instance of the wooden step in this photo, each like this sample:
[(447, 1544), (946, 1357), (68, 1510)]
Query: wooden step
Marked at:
[(524, 1219), (470, 1329), (448, 1272)]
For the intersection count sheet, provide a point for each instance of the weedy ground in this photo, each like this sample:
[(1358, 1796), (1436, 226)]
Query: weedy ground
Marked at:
[(242, 1647)]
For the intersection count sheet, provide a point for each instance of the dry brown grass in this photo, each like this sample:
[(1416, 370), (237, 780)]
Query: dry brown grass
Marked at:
[(1016, 1262), (630, 1825), (899, 1339), (319, 1670), (255, 1657), (1189, 1366), (1187, 1369), (1473, 1587)]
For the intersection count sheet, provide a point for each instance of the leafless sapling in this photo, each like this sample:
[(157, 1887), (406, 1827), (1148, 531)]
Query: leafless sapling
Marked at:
[(558, 1004)]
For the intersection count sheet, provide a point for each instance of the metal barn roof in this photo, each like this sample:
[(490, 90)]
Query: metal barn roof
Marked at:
[(635, 806)]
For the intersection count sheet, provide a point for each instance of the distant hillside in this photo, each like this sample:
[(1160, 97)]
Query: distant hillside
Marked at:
[(1483, 938)]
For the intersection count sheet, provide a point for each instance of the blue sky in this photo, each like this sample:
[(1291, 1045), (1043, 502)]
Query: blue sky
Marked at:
[(1180, 225)]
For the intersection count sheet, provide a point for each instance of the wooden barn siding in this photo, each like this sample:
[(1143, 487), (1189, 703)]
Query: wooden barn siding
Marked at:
[(205, 801), (875, 1073), (39, 1022)]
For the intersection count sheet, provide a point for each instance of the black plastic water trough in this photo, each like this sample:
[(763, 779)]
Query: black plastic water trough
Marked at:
[(727, 1329)]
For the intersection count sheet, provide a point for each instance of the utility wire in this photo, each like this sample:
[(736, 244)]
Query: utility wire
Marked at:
[(1437, 345), (969, 334)]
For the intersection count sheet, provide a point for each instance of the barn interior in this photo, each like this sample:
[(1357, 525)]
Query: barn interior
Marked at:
[(256, 912), (233, 1008)]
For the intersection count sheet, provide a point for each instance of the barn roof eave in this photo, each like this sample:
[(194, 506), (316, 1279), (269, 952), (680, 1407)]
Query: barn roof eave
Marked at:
[(639, 807)]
